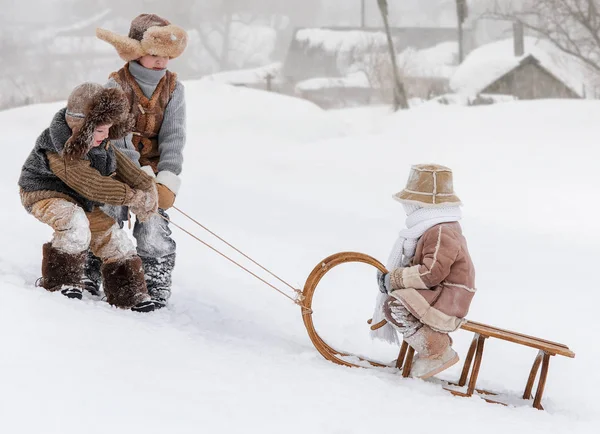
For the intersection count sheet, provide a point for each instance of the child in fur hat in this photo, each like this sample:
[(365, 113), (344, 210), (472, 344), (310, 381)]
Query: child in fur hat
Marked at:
[(157, 102), (71, 172), (431, 280)]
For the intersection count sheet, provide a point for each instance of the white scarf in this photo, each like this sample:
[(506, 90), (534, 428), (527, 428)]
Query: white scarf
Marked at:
[(418, 221)]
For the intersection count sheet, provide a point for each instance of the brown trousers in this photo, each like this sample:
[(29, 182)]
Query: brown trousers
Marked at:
[(75, 230)]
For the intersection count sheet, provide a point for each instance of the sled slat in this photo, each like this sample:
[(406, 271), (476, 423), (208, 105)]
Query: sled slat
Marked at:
[(550, 347)]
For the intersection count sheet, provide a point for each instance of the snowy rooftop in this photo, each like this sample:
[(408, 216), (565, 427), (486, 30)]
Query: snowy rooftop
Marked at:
[(319, 52), (488, 63), (437, 61), (341, 40), (356, 79), (330, 53), (251, 76)]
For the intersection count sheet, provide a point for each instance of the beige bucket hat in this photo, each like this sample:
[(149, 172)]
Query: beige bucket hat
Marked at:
[(429, 185)]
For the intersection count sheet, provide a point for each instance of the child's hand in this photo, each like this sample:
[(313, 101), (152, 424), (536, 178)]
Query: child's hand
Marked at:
[(166, 198), (383, 280), (144, 203)]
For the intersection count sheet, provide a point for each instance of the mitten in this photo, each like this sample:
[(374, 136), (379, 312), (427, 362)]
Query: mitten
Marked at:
[(383, 280), (144, 203), (166, 198)]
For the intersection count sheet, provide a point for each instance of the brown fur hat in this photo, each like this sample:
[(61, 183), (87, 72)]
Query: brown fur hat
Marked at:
[(90, 105), (149, 34)]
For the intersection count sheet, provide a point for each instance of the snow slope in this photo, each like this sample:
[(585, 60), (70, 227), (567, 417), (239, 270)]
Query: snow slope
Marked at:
[(291, 184)]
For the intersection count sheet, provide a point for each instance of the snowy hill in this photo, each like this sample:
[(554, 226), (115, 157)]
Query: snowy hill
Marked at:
[(291, 184)]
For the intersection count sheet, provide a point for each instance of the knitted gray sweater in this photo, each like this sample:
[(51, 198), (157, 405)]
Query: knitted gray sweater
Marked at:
[(172, 134)]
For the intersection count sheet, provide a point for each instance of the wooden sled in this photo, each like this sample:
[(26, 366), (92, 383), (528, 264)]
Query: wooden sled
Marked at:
[(472, 364)]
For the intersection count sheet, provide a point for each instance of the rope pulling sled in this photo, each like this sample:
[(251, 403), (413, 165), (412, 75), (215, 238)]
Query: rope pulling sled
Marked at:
[(466, 385)]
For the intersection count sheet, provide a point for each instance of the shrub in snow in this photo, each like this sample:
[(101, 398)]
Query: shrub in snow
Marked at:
[(463, 100)]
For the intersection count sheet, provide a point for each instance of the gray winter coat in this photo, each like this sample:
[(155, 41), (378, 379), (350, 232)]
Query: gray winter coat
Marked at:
[(36, 174)]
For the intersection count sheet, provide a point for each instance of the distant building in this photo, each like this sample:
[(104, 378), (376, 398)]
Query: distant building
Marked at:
[(531, 80), (526, 69), (330, 51), (346, 66)]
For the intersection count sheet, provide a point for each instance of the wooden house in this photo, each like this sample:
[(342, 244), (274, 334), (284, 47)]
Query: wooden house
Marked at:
[(527, 68)]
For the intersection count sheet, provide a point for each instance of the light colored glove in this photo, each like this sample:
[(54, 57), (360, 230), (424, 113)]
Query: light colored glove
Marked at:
[(166, 198), (144, 203)]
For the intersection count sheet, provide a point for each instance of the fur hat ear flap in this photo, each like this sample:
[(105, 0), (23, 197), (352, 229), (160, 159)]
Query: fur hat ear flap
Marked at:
[(79, 143), (127, 48), (122, 128), (169, 41), (108, 106)]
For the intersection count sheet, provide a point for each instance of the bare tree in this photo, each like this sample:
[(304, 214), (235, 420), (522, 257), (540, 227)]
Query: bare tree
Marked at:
[(400, 100), (218, 23), (573, 26), (462, 12)]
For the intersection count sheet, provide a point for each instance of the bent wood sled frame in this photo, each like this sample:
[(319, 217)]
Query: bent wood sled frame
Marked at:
[(472, 364)]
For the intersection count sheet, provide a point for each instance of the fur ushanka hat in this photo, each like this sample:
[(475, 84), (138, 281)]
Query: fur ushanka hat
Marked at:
[(429, 185), (149, 34), (90, 105)]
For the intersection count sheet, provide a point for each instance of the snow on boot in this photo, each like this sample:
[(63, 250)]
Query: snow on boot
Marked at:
[(124, 283), (157, 272), (144, 306), (434, 352), (92, 277), (61, 271), (159, 303), (428, 367), (72, 292)]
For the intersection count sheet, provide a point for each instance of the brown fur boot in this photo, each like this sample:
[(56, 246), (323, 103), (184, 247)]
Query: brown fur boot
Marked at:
[(124, 283), (62, 271)]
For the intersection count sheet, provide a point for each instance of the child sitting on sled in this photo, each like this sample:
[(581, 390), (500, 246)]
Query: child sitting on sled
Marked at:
[(71, 172), (431, 280)]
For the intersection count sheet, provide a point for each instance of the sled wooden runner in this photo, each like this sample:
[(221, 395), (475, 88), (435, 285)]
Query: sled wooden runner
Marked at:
[(473, 360)]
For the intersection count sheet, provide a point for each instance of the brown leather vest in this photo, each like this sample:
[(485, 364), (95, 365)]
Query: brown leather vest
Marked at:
[(148, 113)]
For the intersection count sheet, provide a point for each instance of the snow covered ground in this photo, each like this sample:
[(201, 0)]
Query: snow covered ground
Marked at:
[(291, 184)]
